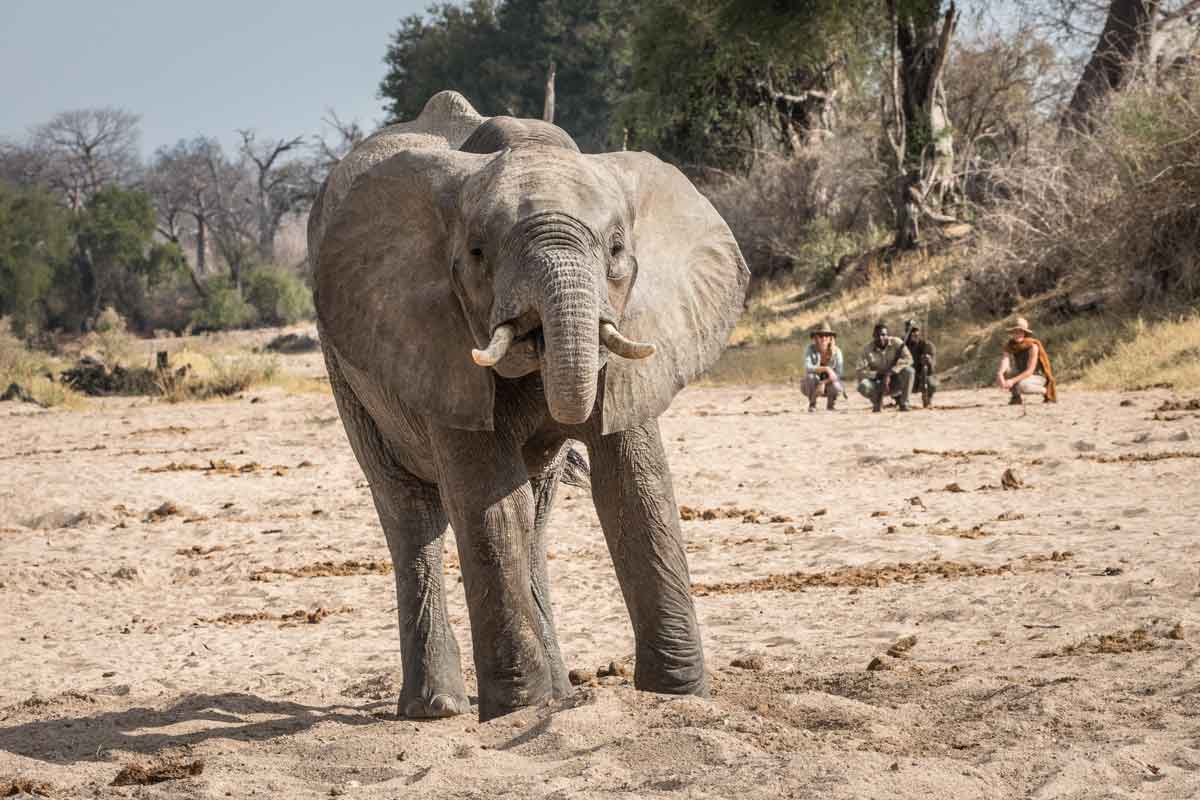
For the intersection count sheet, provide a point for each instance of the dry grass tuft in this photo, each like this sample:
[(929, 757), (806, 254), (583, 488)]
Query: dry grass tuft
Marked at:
[(1165, 352)]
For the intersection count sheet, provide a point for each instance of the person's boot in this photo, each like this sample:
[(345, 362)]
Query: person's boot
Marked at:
[(812, 406), (830, 402), (1016, 400), (876, 402)]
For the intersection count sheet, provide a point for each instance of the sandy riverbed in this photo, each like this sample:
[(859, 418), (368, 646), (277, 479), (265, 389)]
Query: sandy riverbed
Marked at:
[(153, 559)]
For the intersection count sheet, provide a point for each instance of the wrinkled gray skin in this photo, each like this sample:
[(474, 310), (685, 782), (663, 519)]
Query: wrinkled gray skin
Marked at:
[(425, 240)]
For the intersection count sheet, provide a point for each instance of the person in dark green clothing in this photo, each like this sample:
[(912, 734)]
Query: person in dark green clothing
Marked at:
[(924, 356)]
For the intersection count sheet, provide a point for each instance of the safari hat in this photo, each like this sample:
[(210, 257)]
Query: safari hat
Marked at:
[(1022, 325), (822, 329)]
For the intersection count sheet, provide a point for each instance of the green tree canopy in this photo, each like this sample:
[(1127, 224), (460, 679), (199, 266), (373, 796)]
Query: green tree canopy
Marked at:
[(35, 244), (116, 256), (497, 55), (714, 81)]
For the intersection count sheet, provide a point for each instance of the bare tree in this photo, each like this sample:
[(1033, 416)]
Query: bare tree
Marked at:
[(1124, 43), (1139, 36), (87, 149), (918, 125), (182, 182), (281, 186)]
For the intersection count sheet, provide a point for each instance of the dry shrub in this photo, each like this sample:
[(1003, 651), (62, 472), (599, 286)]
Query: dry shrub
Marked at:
[(1116, 211), (33, 371), (200, 378), (1167, 352), (796, 217)]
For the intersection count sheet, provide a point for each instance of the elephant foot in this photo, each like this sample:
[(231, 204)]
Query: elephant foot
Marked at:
[(435, 707)]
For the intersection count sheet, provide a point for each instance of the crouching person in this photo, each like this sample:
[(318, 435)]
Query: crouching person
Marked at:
[(924, 356), (823, 365), (885, 370), (1025, 366)]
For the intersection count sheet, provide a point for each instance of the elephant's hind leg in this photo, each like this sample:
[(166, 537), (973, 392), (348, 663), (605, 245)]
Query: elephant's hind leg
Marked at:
[(414, 523)]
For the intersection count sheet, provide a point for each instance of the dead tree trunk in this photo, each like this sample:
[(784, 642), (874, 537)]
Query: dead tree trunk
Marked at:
[(1124, 43), (918, 126), (548, 106)]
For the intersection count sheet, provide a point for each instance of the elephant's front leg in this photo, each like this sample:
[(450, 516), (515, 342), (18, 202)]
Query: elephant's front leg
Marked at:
[(631, 487), (486, 492)]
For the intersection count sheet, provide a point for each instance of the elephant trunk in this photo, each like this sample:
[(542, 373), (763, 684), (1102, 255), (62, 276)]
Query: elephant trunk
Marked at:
[(569, 310)]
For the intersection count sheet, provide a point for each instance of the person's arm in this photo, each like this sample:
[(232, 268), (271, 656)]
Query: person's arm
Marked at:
[(903, 359), (930, 356), (838, 362), (1005, 363)]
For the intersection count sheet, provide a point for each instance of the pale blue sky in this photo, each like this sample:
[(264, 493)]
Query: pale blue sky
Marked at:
[(207, 67)]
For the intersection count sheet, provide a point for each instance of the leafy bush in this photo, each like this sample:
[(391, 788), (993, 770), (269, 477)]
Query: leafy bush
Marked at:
[(224, 308), (279, 296)]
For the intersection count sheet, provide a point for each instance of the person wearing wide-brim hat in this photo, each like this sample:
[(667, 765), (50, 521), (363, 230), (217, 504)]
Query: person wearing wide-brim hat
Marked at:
[(823, 365), (1025, 366)]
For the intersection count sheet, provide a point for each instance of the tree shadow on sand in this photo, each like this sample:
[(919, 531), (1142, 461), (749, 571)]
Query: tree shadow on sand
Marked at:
[(66, 739)]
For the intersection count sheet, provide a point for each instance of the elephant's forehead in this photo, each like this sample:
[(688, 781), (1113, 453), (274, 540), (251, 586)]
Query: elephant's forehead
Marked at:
[(521, 183)]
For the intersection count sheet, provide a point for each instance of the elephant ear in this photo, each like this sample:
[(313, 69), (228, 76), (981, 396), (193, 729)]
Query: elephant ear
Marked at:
[(383, 292), (690, 289)]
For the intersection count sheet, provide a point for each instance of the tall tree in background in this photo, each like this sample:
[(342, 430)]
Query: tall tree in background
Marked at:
[(496, 55), (76, 154), (917, 123), (35, 244), (116, 255), (182, 184), (280, 185), (716, 82), (89, 149)]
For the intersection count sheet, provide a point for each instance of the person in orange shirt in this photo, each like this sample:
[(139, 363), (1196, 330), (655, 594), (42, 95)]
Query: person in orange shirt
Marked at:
[(1025, 366)]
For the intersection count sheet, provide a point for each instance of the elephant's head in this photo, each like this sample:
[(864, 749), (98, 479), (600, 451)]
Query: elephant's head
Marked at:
[(440, 269)]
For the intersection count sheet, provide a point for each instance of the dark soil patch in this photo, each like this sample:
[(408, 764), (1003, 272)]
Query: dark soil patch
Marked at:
[(327, 569), (1133, 458), (157, 772), (294, 618)]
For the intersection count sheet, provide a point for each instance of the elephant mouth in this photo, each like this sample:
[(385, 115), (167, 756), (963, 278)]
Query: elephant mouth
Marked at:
[(516, 355)]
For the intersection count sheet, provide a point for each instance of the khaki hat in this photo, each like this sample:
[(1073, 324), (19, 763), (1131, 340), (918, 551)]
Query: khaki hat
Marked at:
[(822, 330), (1022, 325)]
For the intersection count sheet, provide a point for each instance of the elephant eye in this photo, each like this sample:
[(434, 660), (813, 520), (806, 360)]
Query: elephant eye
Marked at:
[(617, 248), (477, 252)]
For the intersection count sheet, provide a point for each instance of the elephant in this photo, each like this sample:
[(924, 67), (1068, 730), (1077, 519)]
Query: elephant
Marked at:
[(487, 294)]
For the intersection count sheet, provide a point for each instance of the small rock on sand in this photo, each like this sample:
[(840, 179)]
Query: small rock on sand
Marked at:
[(1182, 436)]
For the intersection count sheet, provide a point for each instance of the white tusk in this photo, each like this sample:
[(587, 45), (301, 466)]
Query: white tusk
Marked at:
[(626, 348), (501, 338)]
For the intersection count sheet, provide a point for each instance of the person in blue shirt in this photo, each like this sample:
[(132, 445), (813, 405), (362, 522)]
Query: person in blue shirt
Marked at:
[(823, 368)]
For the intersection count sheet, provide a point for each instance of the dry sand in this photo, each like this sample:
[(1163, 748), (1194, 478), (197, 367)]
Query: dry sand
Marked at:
[(207, 583)]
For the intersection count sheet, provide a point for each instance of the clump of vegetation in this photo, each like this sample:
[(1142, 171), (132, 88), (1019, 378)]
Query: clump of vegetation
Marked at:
[(218, 378), (32, 372), (224, 308), (278, 296)]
